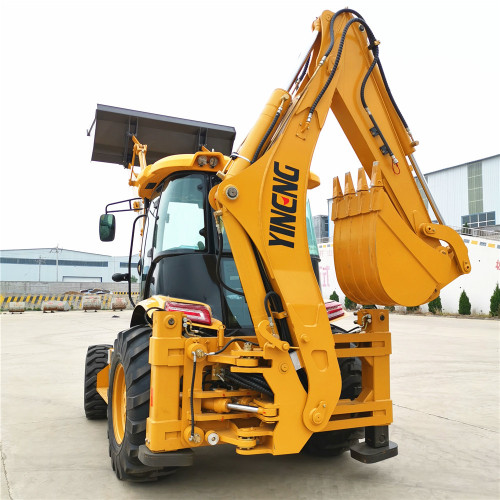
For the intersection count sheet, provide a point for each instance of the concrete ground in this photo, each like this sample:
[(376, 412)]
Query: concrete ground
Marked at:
[(446, 422)]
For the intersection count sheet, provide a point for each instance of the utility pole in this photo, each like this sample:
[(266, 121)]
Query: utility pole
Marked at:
[(57, 250), (40, 262)]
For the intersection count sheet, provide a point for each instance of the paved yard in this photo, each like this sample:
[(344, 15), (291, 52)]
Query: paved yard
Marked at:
[(445, 375)]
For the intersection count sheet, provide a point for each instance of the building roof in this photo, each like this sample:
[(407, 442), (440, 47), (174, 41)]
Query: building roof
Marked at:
[(52, 248), (461, 164)]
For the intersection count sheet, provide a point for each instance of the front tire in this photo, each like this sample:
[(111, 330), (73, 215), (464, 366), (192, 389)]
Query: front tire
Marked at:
[(128, 405)]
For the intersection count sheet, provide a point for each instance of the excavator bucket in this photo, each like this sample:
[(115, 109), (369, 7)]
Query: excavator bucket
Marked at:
[(379, 258)]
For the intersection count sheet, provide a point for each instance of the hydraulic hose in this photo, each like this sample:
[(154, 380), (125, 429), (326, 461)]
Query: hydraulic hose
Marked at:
[(191, 396), (371, 38), (250, 382), (229, 343), (388, 90), (268, 132), (376, 61), (220, 242), (332, 39)]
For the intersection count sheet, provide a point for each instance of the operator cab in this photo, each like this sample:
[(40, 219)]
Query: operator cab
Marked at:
[(180, 250)]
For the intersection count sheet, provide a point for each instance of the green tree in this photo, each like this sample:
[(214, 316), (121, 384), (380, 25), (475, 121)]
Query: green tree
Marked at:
[(435, 305), (495, 302), (349, 304), (464, 304), (334, 296), (133, 279), (412, 309)]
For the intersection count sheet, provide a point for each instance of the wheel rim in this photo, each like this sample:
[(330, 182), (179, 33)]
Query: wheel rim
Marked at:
[(119, 403)]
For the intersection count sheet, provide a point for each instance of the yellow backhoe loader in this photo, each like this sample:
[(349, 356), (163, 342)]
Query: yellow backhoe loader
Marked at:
[(231, 341)]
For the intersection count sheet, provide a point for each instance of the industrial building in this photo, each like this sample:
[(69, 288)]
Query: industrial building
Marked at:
[(61, 265), (320, 225)]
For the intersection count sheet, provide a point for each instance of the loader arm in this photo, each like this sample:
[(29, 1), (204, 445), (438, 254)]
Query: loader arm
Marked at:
[(387, 250)]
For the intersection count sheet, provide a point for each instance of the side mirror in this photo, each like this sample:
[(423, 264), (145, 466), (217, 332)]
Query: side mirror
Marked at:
[(117, 277), (107, 227)]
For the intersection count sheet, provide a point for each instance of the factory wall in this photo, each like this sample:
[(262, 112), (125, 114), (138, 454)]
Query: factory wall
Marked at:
[(60, 265)]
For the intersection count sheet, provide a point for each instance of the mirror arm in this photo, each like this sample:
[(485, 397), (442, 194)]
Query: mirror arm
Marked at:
[(130, 259), (129, 209)]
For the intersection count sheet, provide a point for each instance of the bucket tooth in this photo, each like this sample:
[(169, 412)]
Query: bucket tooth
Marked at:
[(339, 203), (337, 190), (349, 186), (362, 183), (363, 193)]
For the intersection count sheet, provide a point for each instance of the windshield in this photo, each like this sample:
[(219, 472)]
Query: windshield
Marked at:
[(181, 215)]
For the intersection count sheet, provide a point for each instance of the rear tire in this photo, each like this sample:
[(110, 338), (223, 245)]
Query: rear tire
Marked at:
[(128, 408), (96, 360), (334, 443)]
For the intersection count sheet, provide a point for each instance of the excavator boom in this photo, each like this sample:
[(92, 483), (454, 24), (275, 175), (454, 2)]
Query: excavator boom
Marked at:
[(387, 250)]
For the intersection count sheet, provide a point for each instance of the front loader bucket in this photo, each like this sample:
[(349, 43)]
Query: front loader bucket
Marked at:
[(379, 258)]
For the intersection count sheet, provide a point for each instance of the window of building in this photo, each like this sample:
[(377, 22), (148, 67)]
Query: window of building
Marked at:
[(125, 264), (475, 187), (482, 219)]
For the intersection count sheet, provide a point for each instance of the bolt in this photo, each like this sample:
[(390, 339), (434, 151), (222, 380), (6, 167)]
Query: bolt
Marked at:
[(169, 322), (213, 438), (317, 418), (283, 367), (232, 193), (305, 338), (382, 317)]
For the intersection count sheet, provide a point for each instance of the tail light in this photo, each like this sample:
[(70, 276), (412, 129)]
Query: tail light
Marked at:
[(198, 313), (334, 309)]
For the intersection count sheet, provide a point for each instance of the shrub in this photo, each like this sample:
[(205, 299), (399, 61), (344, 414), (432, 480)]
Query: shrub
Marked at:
[(412, 309), (464, 304), (334, 296), (495, 302), (349, 304), (435, 305)]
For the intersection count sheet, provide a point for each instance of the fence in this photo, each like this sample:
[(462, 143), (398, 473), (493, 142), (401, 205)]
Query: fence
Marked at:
[(34, 302)]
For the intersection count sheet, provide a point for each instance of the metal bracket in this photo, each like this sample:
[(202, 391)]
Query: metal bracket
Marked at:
[(179, 458)]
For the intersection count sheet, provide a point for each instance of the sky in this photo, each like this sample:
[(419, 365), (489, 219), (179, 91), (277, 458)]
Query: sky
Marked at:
[(215, 61)]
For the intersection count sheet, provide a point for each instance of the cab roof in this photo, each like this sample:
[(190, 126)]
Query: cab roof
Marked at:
[(164, 135)]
